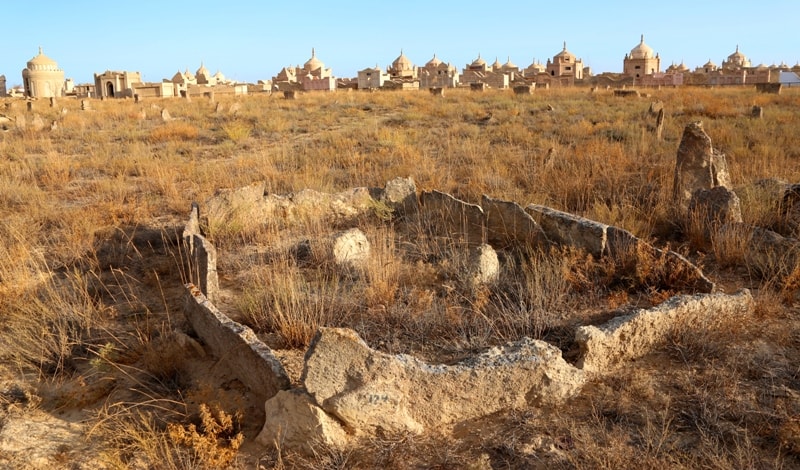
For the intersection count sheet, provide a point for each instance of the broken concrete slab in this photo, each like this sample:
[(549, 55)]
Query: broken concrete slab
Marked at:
[(631, 336), (369, 390), (201, 257), (568, 229), (453, 218), (508, 224), (294, 422), (247, 357)]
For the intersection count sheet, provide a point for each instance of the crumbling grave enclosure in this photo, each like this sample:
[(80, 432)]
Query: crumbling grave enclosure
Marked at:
[(350, 389)]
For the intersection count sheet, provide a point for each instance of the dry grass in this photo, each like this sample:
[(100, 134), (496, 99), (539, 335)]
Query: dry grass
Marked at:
[(89, 279)]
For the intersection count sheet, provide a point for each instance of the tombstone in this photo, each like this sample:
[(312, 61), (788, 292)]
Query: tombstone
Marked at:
[(52, 101), (660, 124), (235, 108), (698, 166), (86, 105), (64, 111), (437, 91), (187, 96), (290, 94), (29, 104), (54, 126), (219, 108), (523, 90), (477, 86), (165, 115), (757, 112), (655, 107), (210, 96), (20, 122), (136, 98), (774, 88)]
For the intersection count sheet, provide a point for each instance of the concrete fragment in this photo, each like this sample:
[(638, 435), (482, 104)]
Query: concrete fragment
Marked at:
[(236, 345), (484, 267), (400, 194), (698, 166), (368, 390), (568, 229), (294, 422), (350, 248), (631, 336), (508, 224), (451, 217)]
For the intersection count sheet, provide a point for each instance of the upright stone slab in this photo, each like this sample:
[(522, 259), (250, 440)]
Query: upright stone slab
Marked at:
[(202, 257), (508, 224), (452, 218), (568, 229), (698, 166)]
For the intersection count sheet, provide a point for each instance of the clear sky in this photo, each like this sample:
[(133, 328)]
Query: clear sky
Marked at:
[(250, 40)]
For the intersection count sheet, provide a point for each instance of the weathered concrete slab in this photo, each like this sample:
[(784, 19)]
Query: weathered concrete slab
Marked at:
[(568, 229), (294, 422), (508, 224), (640, 257), (632, 336), (236, 345), (202, 257), (453, 218), (368, 390), (770, 253)]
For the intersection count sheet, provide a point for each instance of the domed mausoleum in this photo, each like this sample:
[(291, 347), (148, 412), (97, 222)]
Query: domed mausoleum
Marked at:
[(641, 61), (42, 78)]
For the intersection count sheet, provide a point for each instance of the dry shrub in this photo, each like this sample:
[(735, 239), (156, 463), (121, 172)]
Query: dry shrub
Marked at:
[(729, 244), (215, 443), (291, 306), (173, 131), (236, 131)]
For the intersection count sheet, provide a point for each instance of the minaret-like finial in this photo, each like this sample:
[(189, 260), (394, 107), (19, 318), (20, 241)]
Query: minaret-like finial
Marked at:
[(313, 52), (642, 39), (737, 48), (565, 45), (40, 50)]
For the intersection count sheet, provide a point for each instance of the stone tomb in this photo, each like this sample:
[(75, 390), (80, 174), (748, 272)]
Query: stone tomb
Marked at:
[(349, 389)]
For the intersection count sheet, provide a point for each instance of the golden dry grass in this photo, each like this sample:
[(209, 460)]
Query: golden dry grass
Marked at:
[(90, 268)]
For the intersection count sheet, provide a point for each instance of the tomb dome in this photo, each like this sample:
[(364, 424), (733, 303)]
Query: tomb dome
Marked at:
[(313, 63), (509, 64), (641, 51), (402, 62), (479, 62), (202, 70), (42, 62), (565, 53), (433, 62)]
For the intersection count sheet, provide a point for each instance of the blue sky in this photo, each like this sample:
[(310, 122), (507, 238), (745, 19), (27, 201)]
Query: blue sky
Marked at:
[(250, 40)]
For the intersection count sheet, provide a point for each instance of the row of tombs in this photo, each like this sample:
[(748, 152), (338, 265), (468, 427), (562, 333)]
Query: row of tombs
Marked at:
[(349, 389)]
